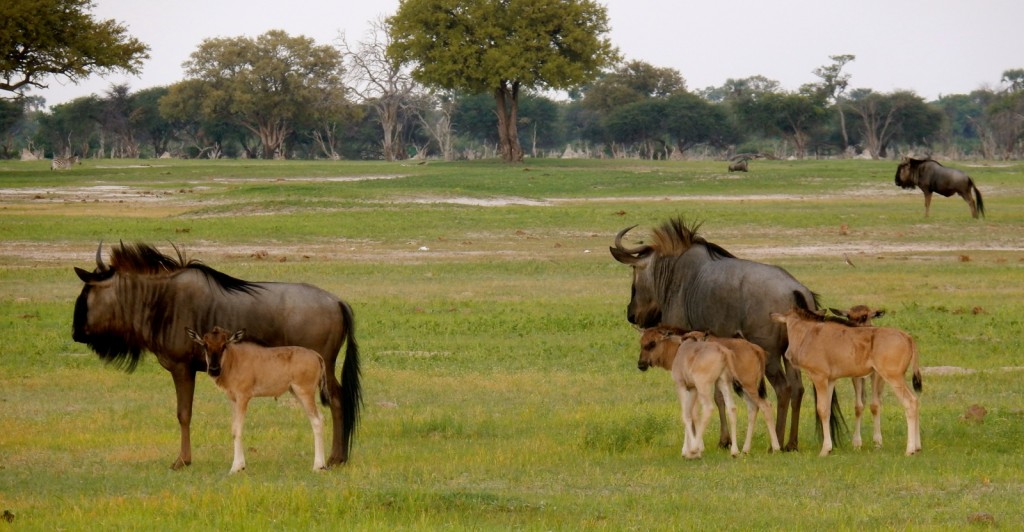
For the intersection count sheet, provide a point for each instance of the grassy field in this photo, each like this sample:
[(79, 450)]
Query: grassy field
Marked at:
[(500, 379)]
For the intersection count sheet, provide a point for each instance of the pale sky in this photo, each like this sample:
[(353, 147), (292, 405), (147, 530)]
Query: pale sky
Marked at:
[(932, 47)]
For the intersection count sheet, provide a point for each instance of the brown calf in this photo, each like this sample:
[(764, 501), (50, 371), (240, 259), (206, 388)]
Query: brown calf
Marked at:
[(828, 351), (246, 370), (697, 369), (745, 364), (861, 316)]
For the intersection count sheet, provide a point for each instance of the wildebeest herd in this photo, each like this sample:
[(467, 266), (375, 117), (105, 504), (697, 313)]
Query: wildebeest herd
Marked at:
[(713, 320)]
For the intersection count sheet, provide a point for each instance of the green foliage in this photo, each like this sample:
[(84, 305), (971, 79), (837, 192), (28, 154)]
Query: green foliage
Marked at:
[(43, 38)]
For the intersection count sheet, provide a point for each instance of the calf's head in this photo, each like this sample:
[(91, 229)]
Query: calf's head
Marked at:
[(658, 346), (214, 343)]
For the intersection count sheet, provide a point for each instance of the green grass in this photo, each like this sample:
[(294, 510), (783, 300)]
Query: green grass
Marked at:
[(499, 371)]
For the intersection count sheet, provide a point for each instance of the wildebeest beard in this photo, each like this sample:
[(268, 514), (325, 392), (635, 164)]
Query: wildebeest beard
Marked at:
[(112, 348)]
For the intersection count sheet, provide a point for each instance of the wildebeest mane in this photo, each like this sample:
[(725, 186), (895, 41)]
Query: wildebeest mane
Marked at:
[(145, 259), (674, 237)]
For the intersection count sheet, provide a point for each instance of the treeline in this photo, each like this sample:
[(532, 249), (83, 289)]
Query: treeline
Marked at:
[(635, 110)]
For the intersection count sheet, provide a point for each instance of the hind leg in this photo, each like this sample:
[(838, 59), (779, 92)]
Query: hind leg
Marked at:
[(858, 408), (966, 195), (308, 400), (730, 405)]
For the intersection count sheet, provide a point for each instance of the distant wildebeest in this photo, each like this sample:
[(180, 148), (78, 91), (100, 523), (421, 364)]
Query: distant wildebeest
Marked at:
[(682, 280), (930, 176), (245, 370), (738, 166), (144, 299), (827, 351), (745, 362), (698, 369)]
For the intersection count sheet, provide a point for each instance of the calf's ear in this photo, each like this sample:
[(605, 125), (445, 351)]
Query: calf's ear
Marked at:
[(237, 337), (778, 317), (194, 335), (878, 314)]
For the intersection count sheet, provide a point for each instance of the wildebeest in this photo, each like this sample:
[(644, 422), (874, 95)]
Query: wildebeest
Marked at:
[(738, 166), (144, 300), (861, 316), (245, 370), (746, 363), (682, 280), (930, 176), (828, 351), (698, 369)]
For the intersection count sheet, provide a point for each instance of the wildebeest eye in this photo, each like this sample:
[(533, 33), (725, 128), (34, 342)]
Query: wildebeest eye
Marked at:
[(650, 345)]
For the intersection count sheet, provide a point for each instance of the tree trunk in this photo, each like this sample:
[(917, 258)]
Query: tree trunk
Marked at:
[(506, 98)]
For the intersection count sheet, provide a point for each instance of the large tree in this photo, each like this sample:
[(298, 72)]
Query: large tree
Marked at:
[(41, 38), (501, 47), (268, 84)]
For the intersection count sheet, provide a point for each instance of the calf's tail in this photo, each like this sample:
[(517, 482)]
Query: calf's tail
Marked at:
[(918, 384)]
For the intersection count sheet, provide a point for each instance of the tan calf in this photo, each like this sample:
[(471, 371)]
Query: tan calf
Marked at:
[(827, 351), (697, 368), (861, 316), (246, 370), (745, 364)]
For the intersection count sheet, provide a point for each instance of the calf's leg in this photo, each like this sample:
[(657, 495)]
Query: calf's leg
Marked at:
[(238, 419), (730, 406), (308, 399), (823, 389)]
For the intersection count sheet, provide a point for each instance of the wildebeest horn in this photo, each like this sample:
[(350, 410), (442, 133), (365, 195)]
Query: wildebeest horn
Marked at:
[(618, 243), (99, 258)]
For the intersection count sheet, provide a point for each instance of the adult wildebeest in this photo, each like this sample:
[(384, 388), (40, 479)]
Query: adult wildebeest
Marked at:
[(738, 166), (684, 281), (828, 351), (144, 300), (930, 176), (245, 370)]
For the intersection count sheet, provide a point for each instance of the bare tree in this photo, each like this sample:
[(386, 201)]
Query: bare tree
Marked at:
[(435, 115), (379, 82)]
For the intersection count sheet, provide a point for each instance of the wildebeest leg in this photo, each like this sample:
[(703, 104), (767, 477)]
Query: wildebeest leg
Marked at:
[(876, 408), (766, 409), (927, 202), (823, 389), (237, 421), (723, 434), (184, 388), (858, 408), (686, 400), (966, 195), (796, 395), (338, 451), (777, 377), (909, 400), (308, 400), (730, 405)]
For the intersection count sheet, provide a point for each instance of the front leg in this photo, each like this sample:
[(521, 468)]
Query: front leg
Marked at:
[(184, 388), (237, 421)]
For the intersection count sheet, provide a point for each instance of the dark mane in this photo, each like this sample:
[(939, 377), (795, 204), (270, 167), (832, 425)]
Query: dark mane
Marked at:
[(674, 237), (144, 259)]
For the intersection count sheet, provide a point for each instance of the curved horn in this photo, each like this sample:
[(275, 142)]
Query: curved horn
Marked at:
[(99, 259), (618, 243)]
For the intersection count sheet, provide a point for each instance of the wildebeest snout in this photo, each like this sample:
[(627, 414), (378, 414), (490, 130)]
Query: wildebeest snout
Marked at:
[(642, 365)]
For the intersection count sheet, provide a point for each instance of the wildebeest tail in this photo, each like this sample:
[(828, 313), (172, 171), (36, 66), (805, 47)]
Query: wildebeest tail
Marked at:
[(977, 197), (762, 391), (351, 393), (918, 383)]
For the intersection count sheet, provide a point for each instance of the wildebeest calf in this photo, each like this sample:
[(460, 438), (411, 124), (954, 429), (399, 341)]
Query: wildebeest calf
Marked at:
[(697, 369), (828, 351), (861, 316), (245, 370)]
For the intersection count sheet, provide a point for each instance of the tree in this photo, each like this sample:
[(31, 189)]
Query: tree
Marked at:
[(40, 38), (900, 115), (833, 84), (693, 120), (380, 82), (266, 85), (632, 82), (72, 128), (151, 127), (501, 47)]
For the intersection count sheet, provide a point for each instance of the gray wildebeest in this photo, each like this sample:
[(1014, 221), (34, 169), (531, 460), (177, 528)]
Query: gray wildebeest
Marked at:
[(143, 300), (828, 351), (682, 280), (932, 177), (245, 370), (738, 166)]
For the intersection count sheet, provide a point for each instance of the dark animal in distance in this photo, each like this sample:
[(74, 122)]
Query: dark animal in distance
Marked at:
[(827, 351), (931, 177), (143, 300), (245, 370), (738, 166), (685, 281)]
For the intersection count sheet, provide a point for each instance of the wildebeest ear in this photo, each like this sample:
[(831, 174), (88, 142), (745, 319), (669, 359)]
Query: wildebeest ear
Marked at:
[(237, 337), (93, 277), (878, 314), (194, 336), (83, 275), (839, 312)]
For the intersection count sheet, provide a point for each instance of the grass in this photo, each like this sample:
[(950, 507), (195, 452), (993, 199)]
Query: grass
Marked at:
[(499, 372)]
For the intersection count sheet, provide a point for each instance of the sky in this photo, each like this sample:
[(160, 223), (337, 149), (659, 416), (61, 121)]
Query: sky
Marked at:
[(932, 47)]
